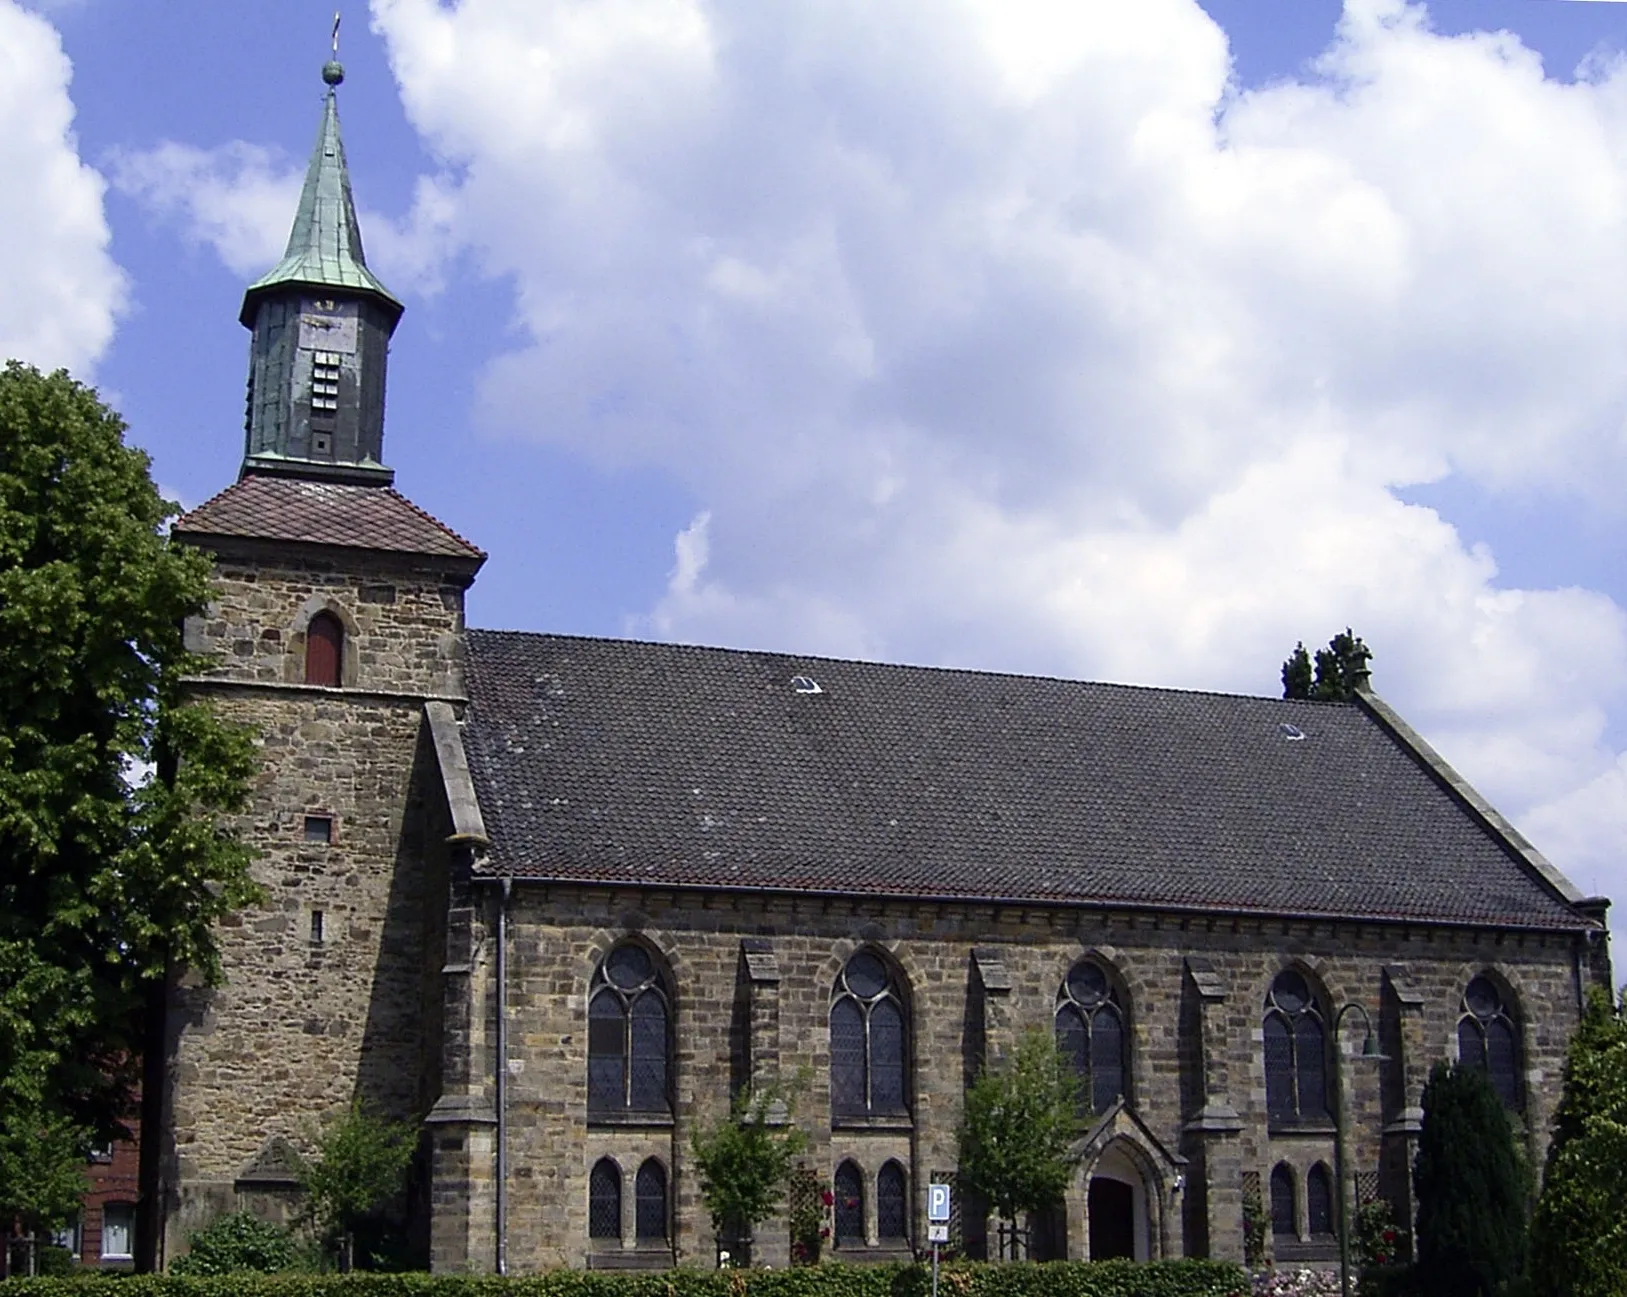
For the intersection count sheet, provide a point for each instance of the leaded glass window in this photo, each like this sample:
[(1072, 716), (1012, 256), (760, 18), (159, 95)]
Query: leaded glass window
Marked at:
[(629, 1035), (1319, 1201), (869, 1041), (1090, 1034), (1282, 1202), (892, 1204), (1487, 1038), (849, 1191), (604, 1200), (650, 1199), (1296, 1052)]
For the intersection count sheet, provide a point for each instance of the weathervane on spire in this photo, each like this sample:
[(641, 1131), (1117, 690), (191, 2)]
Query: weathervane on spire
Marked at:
[(333, 71)]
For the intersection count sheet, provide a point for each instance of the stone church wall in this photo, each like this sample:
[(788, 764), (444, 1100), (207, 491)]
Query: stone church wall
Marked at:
[(326, 996), (1188, 1059)]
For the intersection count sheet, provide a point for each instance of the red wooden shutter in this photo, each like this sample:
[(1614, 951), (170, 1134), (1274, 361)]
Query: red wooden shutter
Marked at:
[(324, 649)]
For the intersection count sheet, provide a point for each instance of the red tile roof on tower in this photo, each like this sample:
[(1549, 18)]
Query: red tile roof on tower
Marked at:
[(324, 513)]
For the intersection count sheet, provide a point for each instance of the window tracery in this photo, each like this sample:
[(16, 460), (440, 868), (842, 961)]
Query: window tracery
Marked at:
[(1090, 1034), (868, 1041), (629, 1037), (1296, 1060), (1488, 1038)]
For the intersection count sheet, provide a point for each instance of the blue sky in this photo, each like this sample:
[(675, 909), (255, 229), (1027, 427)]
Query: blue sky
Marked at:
[(1132, 342)]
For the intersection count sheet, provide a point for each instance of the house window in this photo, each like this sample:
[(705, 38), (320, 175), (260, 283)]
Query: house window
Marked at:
[(1296, 1064), (892, 1205), (1090, 1035), (849, 1190), (319, 828), (1282, 1203), (68, 1237), (629, 1043), (324, 650), (1319, 1201), (650, 1191), (1487, 1038), (867, 1040), (118, 1231), (604, 1200)]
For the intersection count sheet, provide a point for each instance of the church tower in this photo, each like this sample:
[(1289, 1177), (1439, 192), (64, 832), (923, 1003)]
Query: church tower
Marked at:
[(337, 632)]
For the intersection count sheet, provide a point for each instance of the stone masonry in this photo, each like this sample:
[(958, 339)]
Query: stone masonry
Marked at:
[(326, 995), (1184, 1064)]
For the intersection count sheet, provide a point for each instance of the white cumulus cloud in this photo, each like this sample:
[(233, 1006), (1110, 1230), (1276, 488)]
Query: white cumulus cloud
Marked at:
[(1013, 334), (62, 290)]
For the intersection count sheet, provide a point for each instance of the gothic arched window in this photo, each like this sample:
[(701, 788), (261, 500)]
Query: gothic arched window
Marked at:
[(1487, 1038), (848, 1188), (1090, 1035), (1296, 1052), (892, 1204), (1282, 1202), (604, 1200), (1319, 1201), (868, 1040), (324, 650), (650, 1199), (629, 1041)]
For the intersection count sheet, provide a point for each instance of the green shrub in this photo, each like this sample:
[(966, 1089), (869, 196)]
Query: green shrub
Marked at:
[(236, 1242), (962, 1279)]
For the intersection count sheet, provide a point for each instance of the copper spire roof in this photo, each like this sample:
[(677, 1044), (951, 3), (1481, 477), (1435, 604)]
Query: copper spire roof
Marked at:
[(325, 245)]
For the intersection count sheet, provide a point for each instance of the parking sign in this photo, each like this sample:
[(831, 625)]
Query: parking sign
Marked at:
[(937, 1202)]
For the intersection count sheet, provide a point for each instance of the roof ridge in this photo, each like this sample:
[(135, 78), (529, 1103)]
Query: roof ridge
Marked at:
[(986, 672)]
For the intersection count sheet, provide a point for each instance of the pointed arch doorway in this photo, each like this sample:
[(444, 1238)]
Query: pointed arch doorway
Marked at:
[(1116, 1207)]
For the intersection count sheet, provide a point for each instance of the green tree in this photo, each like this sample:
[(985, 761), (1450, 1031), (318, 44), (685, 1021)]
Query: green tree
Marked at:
[(42, 1170), (1579, 1232), (1340, 670), (107, 879), (360, 1167), (1471, 1185), (744, 1161), (1020, 1128)]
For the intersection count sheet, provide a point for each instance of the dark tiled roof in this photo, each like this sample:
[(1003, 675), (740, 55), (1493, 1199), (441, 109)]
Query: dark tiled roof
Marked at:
[(613, 761), (323, 513)]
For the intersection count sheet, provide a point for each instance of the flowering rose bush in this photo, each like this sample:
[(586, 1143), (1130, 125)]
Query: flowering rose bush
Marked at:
[(1297, 1283)]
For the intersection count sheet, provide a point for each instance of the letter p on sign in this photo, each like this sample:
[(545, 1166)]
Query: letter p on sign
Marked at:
[(937, 1202)]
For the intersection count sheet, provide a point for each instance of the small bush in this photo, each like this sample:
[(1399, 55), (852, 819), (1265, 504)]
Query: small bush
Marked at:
[(234, 1243)]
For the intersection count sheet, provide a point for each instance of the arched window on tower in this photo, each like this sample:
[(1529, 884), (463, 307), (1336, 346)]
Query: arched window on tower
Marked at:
[(604, 1200), (324, 650), (1090, 1034), (1487, 1038), (1283, 1225), (1296, 1059), (848, 1189), (868, 1041), (629, 1037)]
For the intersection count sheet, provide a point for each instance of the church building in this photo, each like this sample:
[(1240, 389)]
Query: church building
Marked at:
[(555, 899)]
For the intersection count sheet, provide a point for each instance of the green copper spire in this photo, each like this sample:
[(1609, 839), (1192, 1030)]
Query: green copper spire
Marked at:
[(321, 325), (325, 246)]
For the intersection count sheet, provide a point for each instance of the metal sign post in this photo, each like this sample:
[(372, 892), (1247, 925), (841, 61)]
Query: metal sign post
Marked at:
[(937, 1230)]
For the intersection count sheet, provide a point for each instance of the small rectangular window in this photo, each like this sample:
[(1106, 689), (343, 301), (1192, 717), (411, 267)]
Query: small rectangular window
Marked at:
[(118, 1231), (319, 828), (316, 927)]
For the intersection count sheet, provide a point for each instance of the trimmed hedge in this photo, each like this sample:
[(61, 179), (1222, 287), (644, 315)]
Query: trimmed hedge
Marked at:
[(959, 1279)]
